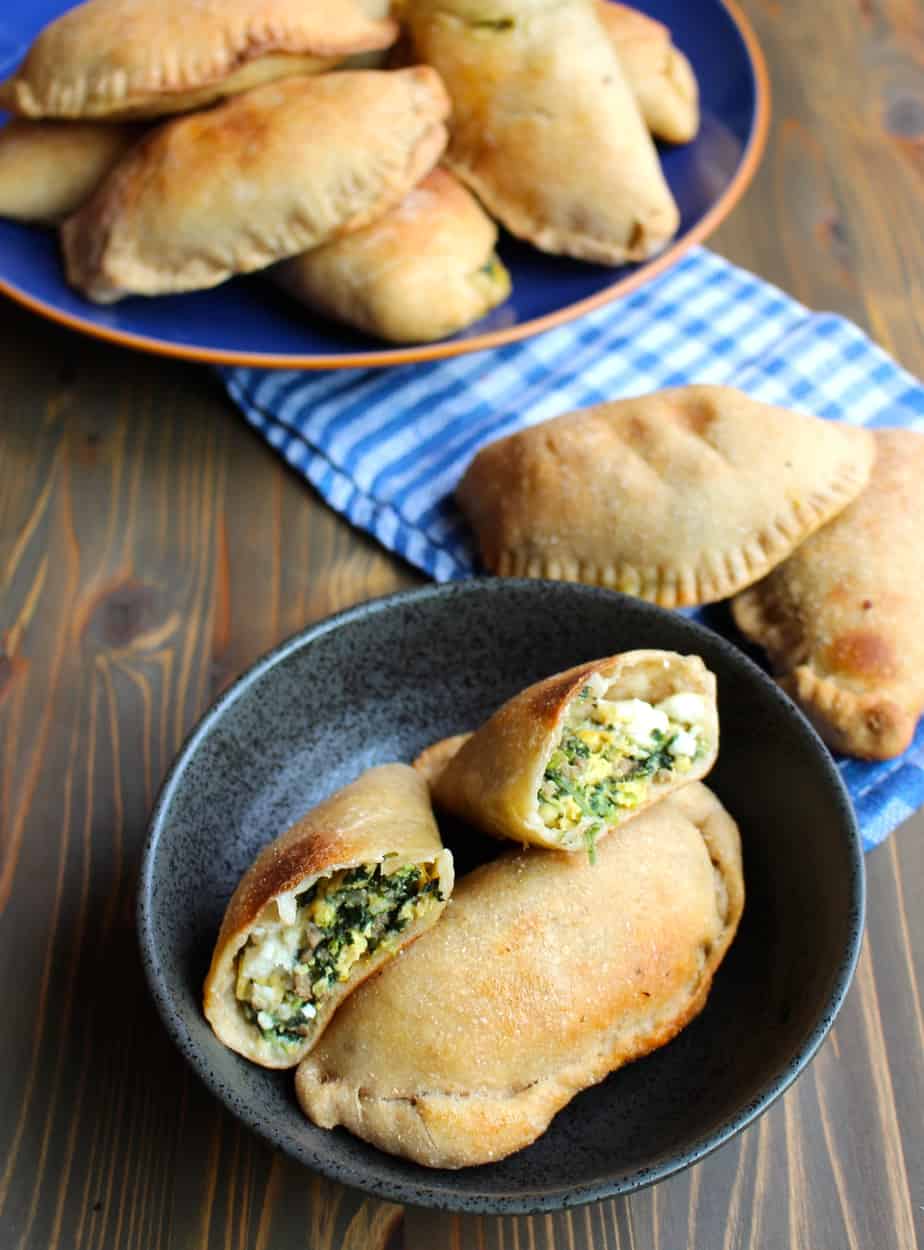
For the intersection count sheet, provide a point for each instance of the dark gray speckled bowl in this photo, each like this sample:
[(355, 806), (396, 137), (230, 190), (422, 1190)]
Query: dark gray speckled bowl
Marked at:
[(382, 681)]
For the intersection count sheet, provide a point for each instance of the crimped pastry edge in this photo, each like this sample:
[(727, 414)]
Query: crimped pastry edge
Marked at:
[(870, 726), (714, 578), (501, 1116), (556, 241), (99, 96)]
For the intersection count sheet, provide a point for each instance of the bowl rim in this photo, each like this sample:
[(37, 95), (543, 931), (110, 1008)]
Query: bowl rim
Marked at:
[(443, 1196), (711, 219)]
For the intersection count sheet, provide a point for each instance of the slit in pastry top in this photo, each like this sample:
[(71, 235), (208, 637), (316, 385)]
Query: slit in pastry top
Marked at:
[(573, 756)]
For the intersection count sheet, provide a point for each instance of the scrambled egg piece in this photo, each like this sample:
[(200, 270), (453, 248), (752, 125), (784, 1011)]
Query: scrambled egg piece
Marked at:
[(288, 966), (609, 753)]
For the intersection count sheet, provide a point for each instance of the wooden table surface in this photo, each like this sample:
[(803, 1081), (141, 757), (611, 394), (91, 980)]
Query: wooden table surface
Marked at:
[(151, 547)]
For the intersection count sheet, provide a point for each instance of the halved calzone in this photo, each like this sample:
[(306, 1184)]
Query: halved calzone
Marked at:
[(424, 270), (258, 178), (843, 619), (545, 974), (145, 58), (660, 76), (566, 760), (321, 908), (545, 129), (683, 496), (48, 169)]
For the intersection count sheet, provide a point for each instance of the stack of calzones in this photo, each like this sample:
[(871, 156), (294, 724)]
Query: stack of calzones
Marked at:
[(179, 144), (588, 945)]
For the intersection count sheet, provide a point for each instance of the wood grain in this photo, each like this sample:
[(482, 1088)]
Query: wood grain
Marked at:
[(122, 539), (151, 546)]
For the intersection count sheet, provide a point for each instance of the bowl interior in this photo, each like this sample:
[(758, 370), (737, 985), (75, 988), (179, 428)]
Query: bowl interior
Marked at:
[(383, 681)]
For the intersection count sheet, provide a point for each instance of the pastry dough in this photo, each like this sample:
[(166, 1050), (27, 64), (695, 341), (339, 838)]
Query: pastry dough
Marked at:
[(432, 761), (145, 58), (545, 974), (681, 497), (258, 178), (573, 756), (424, 270), (843, 619), (47, 169), (545, 130), (321, 908), (660, 76)]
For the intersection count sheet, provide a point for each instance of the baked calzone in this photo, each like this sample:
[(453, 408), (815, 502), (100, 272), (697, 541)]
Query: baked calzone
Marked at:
[(568, 759), (424, 270), (321, 908), (545, 129), (843, 618), (258, 178), (145, 58), (48, 169), (660, 76), (462, 1051), (683, 496)]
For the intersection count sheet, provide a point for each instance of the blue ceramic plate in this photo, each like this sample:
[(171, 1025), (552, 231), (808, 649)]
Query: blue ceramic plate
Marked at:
[(248, 322), (382, 681)]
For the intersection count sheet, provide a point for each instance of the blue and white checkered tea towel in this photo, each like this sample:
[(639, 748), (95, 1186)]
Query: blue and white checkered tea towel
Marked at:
[(386, 447)]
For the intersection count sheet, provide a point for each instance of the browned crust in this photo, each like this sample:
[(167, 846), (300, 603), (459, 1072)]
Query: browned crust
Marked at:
[(48, 169), (660, 76), (545, 130), (314, 153), (841, 619), (492, 780), (494, 1092), (117, 58), (417, 273), (594, 495), (434, 758), (384, 812)]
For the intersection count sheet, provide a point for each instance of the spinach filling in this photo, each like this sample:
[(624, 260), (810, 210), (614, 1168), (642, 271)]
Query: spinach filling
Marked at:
[(284, 971), (608, 754)]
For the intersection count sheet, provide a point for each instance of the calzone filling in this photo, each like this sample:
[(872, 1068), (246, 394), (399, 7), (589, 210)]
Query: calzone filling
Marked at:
[(288, 967), (610, 752)]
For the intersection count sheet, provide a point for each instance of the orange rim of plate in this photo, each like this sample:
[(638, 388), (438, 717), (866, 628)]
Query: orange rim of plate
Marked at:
[(753, 152)]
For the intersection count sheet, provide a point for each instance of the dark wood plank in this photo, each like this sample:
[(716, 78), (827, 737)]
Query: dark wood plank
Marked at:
[(135, 585), (151, 547)]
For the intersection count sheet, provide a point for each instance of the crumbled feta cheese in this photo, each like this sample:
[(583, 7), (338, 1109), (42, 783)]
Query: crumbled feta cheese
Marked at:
[(686, 707), (641, 720), (287, 908), (309, 1011), (277, 949), (265, 1020), (683, 743), (266, 997)]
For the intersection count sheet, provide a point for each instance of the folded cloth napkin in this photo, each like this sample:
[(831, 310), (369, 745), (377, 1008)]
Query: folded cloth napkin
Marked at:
[(386, 447)]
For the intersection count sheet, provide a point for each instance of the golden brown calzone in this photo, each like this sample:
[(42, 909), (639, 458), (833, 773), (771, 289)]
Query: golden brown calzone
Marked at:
[(545, 974), (682, 496), (544, 128), (321, 908), (145, 58), (843, 619), (660, 76), (424, 270), (568, 759), (261, 177), (48, 169)]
